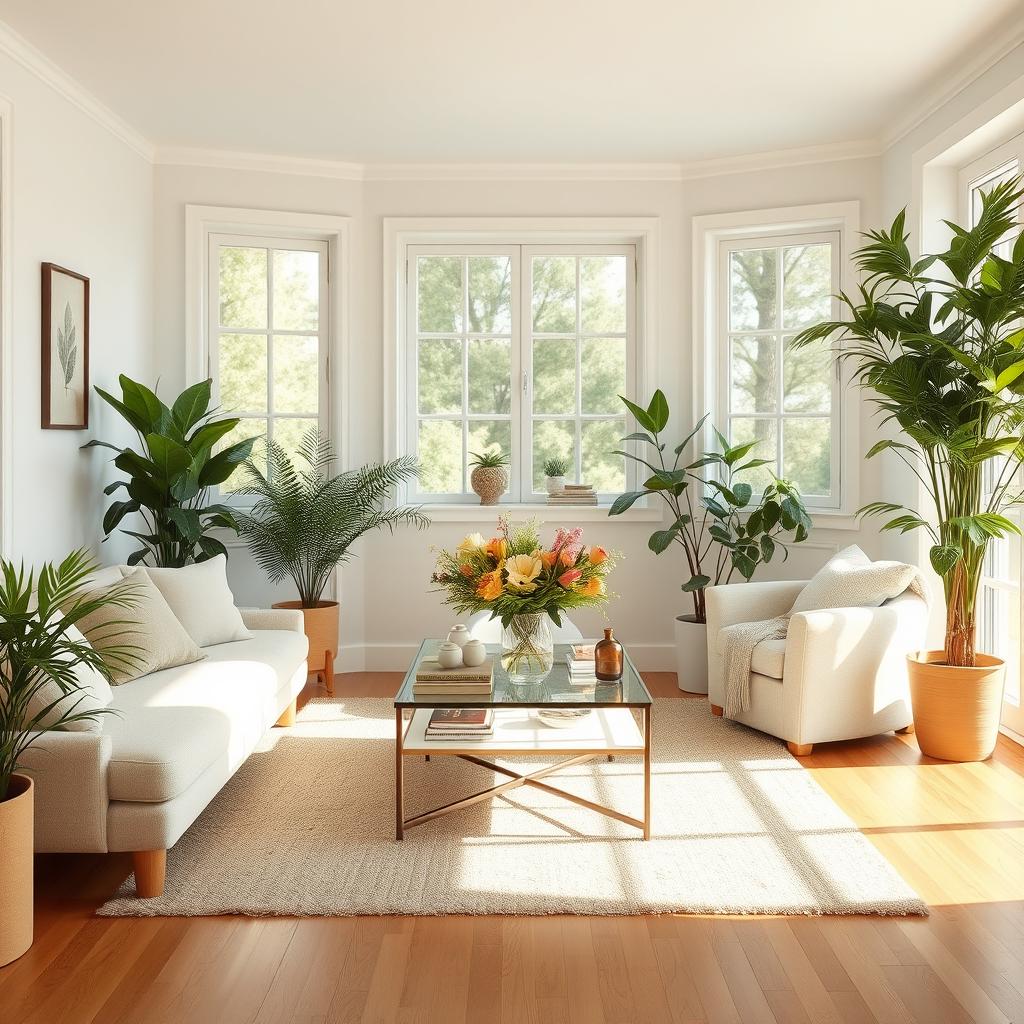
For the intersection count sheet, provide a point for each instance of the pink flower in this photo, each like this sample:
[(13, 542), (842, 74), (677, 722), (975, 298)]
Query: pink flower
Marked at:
[(569, 577), (567, 538)]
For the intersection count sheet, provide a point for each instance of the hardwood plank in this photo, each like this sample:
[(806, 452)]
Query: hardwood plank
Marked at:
[(581, 972)]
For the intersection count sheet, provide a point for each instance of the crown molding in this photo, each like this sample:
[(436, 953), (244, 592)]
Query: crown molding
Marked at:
[(270, 163), (857, 149), (597, 171), (21, 50)]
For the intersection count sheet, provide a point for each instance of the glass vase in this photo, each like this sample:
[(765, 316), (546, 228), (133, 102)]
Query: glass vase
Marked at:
[(527, 648)]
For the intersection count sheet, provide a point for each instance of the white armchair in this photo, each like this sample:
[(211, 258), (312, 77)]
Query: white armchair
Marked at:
[(840, 673)]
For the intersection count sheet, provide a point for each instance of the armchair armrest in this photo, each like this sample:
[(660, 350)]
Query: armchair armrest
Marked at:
[(70, 774), (273, 618)]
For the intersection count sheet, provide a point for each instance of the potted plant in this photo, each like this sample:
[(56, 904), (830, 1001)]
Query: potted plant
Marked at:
[(43, 661), (304, 521), (554, 473), (169, 477), (489, 478), (941, 356), (728, 531)]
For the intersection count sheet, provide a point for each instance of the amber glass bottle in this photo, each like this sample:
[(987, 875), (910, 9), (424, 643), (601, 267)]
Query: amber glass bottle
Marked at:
[(608, 658)]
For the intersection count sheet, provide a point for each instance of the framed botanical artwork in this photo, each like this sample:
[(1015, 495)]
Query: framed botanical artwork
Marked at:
[(65, 398)]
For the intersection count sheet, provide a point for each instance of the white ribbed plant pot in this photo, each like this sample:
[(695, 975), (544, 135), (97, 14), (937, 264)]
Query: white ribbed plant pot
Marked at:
[(691, 654)]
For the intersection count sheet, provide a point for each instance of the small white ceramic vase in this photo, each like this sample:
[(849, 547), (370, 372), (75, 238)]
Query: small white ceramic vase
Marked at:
[(555, 484), (473, 653), (449, 655), (458, 634)]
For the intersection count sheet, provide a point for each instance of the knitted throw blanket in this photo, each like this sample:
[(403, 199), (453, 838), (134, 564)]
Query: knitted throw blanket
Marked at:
[(839, 584)]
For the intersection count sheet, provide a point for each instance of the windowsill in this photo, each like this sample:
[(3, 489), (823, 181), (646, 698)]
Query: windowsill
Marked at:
[(547, 513)]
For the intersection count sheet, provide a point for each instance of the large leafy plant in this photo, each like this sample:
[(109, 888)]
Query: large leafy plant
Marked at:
[(169, 477), (305, 519), (729, 530), (938, 341), (37, 649)]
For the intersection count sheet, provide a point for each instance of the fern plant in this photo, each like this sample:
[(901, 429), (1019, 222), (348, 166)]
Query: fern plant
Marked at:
[(305, 520)]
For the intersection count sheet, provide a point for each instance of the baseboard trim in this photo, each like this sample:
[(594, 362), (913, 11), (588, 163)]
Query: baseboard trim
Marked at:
[(1011, 735)]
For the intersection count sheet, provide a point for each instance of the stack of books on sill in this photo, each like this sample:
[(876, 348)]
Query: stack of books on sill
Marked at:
[(580, 662), (460, 723), (432, 678), (574, 494)]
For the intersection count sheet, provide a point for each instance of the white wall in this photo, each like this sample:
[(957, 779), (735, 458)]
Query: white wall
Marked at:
[(80, 197), (386, 601)]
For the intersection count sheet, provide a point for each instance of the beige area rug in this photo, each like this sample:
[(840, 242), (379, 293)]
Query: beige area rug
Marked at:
[(306, 827)]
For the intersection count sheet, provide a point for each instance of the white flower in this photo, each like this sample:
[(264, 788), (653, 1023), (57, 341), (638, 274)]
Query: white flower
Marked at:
[(472, 542), (522, 571)]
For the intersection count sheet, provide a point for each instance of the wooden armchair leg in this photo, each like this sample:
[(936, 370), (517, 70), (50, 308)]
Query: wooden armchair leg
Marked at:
[(799, 749), (150, 868), (716, 711), (907, 730), (287, 716)]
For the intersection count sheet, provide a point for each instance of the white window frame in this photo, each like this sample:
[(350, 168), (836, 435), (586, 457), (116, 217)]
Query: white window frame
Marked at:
[(405, 237), (713, 235), (204, 225)]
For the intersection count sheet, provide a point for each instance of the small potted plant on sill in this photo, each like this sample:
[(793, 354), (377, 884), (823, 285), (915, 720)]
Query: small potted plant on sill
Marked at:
[(554, 473), (304, 522), (48, 680), (726, 532), (489, 478)]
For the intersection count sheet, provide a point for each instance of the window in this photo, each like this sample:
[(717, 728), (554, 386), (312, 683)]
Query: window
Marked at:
[(268, 334), (522, 348)]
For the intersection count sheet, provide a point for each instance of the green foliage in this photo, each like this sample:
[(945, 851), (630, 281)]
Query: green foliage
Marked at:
[(556, 466), (733, 532), (942, 359), (36, 649), (169, 477), (304, 520), (489, 459)]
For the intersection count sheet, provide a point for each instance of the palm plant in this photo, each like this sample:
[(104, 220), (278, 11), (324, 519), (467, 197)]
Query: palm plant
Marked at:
[(938, 341), (305, 520), (37, 648)]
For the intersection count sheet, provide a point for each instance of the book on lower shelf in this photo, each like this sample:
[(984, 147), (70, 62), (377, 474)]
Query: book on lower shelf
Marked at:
[(460, 723)]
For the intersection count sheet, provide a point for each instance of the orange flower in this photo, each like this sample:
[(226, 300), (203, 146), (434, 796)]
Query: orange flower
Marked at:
[(594, 587), (497, 548), (569, 577), (466, 569), (489, 587), (568, 557), (597, 555), (549, 558)]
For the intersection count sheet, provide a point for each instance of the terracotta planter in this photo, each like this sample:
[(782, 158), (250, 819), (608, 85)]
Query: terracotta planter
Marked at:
[(691, 654), (321, 627), (490, 482), (956, 709), (16, 834)]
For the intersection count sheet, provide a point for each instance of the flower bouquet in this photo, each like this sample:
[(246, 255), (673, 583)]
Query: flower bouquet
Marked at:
[(524, 584)]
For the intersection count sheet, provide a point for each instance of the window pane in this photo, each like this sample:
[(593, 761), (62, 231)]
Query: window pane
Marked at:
[(554, 376), (490, 375), (296, 290), (553, 439), (440, 294), (243, 286), (765, 432), (490, 295), (753, 289), (754, 374), (603, 374), (440, 376), (806, 284), (807, 374), (554, 294), (603, 302), (600, 468), (440, 455), (807, 454), (296, 373), (242, 372), (488, 435), (246, 428)]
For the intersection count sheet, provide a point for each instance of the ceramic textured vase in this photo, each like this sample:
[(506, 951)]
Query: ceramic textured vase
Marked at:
[(16, 831), (554, 484), (320, 625), (490, 482), (527, 648)]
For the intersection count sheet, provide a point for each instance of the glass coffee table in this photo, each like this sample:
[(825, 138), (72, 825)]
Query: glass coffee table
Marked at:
[(610, 729)]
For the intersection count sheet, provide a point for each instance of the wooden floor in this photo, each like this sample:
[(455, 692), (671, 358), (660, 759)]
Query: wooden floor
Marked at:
[(955, 832)]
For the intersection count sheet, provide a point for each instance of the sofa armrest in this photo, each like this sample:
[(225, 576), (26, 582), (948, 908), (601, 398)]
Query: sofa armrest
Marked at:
[(70, 774), (273, 618)]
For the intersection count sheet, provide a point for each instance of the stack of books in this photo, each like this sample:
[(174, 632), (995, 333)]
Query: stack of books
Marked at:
[(460, 723), (432, 678), (574, 494), (580, 662)]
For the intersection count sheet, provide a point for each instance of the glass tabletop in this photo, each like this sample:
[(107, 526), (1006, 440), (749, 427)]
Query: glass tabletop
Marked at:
[(554, 691)]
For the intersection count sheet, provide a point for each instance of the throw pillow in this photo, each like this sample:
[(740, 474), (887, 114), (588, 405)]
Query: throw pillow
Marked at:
[(201, 600), (93, 693), (849, 579), (158, 640)]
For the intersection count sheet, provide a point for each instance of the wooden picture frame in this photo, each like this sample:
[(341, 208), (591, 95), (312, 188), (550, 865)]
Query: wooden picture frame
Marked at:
[(65, 349)]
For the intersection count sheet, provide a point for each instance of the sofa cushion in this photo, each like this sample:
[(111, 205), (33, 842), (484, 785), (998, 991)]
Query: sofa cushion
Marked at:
[(769, 658)]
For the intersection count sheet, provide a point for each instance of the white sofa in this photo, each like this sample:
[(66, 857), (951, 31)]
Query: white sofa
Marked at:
[(178, 736), (840, 673)]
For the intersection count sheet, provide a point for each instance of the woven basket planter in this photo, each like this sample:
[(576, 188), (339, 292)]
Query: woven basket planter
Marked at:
[(490, 482)]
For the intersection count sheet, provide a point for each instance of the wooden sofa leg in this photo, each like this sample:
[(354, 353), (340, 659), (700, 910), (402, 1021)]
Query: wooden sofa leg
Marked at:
[(716, 711), (907, 730), (799, 749), (287, 716), (150, 868)]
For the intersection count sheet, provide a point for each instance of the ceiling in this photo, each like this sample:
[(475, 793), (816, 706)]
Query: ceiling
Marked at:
[(519, 81)]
